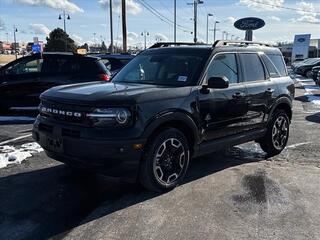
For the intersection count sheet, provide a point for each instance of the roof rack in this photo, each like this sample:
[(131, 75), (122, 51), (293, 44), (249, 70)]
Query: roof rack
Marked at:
[(220, 43), (168, 44)]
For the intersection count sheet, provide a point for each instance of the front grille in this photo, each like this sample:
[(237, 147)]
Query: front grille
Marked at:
[(65, 113)]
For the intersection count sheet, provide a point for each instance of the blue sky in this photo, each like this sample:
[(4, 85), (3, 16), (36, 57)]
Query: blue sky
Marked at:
[(38, 17)]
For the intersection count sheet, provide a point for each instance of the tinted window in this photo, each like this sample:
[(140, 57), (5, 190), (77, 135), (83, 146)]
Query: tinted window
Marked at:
[(62, 65), (252, 67), (279, 63), (270, 66), (27, 66), (224, 65), (171, 69)]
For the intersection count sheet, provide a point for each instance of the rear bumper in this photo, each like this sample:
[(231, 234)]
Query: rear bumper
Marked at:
[(115, 158)]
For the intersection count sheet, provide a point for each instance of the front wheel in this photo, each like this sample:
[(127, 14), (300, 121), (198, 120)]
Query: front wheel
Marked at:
[(165, 161), (277, 134)]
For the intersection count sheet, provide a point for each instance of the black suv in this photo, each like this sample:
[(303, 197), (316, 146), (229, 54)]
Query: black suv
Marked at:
[(170, 103), (23, 80)]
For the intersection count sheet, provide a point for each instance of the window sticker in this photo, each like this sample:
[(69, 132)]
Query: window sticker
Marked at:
[(182, 78)]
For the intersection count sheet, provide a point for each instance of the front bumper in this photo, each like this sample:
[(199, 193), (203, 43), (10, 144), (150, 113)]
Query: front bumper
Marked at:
[(115, 158)]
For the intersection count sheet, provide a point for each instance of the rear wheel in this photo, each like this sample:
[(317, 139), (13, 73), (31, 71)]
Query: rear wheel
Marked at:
[(277, 134), (165, 161)]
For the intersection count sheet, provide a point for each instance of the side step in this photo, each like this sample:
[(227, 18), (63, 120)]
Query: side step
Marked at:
[(222, 143)]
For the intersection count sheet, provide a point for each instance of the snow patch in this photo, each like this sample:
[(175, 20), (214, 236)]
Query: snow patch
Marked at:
[(12, 155)]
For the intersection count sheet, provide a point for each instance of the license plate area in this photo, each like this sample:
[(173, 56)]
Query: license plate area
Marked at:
[(54, 144)]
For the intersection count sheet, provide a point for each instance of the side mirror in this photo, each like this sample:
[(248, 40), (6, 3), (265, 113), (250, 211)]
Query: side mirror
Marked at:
[(218, 82)]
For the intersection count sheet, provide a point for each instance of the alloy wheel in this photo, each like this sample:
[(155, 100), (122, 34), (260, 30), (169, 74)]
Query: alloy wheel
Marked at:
[(280, 132), (169, 161)]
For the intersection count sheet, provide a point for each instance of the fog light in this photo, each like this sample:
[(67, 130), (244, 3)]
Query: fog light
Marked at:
[(137, 146)]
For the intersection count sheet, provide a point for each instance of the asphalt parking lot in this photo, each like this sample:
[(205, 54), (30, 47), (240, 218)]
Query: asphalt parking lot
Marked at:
[(234, 194)]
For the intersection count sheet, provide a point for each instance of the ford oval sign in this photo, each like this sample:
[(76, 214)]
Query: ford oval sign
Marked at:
[(250, 23), (301, 40)]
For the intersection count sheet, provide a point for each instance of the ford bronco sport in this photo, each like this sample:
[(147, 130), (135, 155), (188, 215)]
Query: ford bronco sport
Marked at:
[(172, 102)]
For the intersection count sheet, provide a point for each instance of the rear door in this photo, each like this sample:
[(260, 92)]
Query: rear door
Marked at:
[(223, 110), (261, 89)]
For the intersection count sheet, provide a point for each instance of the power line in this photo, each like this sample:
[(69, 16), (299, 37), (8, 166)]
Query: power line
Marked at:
[(161, 16), (283, 7)]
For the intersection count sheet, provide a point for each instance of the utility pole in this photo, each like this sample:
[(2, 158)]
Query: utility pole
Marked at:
[(208, 15), (15, 40), (195, 16), (111, 27), (124, 26), (215, 30), (175, 21), (227, 34)]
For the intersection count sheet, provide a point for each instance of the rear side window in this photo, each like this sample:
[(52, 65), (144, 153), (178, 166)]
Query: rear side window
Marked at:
[(279, 63), (252, 67), (270, 66), (224, 65), (90, 65), (61, 65)]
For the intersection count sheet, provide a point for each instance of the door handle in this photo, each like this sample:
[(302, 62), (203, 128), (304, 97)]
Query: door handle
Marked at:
[(238, 95), (269, 90), (3, 83)]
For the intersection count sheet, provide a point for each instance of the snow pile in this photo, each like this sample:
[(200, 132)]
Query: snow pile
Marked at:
[(12, 155)]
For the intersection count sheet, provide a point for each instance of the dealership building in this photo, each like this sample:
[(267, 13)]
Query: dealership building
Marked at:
[(314, 50)]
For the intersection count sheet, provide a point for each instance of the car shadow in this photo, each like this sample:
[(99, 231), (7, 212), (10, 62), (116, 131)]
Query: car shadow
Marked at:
[(314, 118), (50, 202)]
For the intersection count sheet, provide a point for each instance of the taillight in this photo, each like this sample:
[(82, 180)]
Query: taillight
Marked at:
[(104, 77)]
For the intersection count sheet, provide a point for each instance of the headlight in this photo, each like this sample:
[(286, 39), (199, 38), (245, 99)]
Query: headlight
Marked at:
[(110, 116)]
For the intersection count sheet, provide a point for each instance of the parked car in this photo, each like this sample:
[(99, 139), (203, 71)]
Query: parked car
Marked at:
[(172, 102), (23, 80), (305, 68), (114, 62), (318, 78)]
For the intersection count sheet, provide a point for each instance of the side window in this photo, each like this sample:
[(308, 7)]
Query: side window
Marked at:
[(33, 66), (279, 63), (61, 65), (224, 65), (253, 69), (270, 66)]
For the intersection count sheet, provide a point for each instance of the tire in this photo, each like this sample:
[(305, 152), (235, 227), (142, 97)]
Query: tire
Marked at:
[(165, 161), (277, 134)]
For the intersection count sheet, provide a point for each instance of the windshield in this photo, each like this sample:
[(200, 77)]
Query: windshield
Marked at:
[(170, 69)]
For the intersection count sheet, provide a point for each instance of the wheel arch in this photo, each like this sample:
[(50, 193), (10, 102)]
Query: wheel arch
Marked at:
[(179, 120), (285, 104)]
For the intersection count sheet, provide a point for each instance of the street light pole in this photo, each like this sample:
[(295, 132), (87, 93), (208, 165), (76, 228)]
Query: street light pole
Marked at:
[(223, 32), (145, 34), (111, 27), (15, 40), (208, 15), (175, 21), (215, 30), (65, 27), (227, 34)]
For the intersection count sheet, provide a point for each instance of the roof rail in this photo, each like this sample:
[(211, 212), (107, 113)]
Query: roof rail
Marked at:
[(220, 43), (168, 44)]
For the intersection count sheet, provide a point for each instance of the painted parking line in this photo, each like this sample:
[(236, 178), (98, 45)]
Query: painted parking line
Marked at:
[(15, 139)]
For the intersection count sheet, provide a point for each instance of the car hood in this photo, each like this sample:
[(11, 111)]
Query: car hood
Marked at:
[(112, 93)]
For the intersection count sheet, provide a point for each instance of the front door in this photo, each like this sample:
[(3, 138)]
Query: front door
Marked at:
[(223, 110)]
